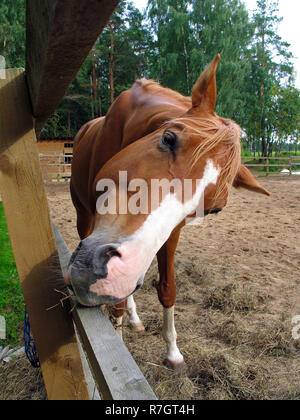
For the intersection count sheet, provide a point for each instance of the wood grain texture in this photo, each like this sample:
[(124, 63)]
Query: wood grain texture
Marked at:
[(64, 258), (33, 243), (117, 375), (60, 35)]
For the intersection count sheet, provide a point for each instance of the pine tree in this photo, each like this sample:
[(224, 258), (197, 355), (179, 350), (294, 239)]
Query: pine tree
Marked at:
[(118, 58), (270, 66), (222, 26), (122, 52), (170, 22)]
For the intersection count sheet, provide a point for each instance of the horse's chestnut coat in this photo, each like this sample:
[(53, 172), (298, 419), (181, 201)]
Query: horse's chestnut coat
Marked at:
[(151, 133)]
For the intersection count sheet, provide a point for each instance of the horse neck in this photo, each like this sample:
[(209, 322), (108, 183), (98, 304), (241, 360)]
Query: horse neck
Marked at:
[(130, 118)]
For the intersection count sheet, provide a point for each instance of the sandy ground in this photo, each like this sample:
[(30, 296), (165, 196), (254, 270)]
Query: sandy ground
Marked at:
[(238, 281)]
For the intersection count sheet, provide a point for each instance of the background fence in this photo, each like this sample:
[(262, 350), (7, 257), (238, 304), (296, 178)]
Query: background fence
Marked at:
[(57, 167), (273, 165)]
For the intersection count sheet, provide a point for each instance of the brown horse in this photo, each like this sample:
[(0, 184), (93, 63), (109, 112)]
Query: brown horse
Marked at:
[(150, 133)]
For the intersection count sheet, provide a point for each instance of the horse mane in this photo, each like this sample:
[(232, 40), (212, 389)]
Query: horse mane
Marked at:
[(152, 87), (213, 132)]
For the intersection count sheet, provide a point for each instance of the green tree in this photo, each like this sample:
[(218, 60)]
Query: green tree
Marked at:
[(171, 24), (118, 58), (270, 66), (286, 111), (12, 32), (121, 52), (222, 26)]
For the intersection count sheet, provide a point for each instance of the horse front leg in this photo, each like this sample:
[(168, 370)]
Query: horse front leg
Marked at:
[(118, 313), (166, 289), (134, 319)]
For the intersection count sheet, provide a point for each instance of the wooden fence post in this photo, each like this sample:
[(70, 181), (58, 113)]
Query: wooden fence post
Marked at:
[(33, 242)]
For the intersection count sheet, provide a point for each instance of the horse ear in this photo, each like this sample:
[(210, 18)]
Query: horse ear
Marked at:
[(245, 179), (204, 92)]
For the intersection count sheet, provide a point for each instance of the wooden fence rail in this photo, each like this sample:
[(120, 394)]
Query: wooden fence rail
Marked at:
[(27, 214), (58, 166), (291, 161), (115, 372)]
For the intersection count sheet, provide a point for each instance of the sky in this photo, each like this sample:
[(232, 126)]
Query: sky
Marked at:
[(289, 29)]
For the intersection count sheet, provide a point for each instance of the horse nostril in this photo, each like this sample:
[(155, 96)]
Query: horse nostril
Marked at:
[(101, 257), (114, 253)]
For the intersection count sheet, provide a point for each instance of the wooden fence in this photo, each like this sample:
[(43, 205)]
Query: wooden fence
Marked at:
[(264, 164), (53, 58), (26, 101), (40, 252), (56, 166)]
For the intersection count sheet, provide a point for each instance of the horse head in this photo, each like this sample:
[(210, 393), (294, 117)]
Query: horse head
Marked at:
[(195, 156)]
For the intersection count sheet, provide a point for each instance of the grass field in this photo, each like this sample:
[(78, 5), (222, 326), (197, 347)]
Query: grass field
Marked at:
[(11, 297), (283, 153)]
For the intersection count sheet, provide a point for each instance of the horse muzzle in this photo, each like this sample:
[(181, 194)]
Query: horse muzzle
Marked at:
[(98, 275)]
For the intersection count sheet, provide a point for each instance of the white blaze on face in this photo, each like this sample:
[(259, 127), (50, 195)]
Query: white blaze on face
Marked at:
[(139, 250)]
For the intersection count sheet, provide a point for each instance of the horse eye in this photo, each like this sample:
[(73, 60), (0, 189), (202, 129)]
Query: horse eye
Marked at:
[(169, 139)]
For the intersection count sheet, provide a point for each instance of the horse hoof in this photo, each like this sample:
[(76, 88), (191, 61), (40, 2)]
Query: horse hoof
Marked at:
[(138, 327), (178, 367)]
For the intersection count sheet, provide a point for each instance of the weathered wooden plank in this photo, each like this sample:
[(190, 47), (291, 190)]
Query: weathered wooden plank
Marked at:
[(63, 251), (91, 385), (117, 375), (33, 243), (60, 35), (64, 258)]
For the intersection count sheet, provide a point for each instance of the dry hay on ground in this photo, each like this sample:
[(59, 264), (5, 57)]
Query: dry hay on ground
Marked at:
[(19, 381)]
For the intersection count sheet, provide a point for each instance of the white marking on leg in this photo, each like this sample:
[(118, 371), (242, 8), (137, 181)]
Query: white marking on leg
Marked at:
[(131, 309), (119, 328), (134, 319), (170, 336)]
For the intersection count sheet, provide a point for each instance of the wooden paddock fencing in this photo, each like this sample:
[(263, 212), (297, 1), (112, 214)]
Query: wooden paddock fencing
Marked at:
[(42, 257), (53, 58), (264, 164), (57, 167)]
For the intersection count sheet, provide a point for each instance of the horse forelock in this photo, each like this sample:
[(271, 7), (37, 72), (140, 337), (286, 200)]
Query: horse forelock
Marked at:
[(215, 132)]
